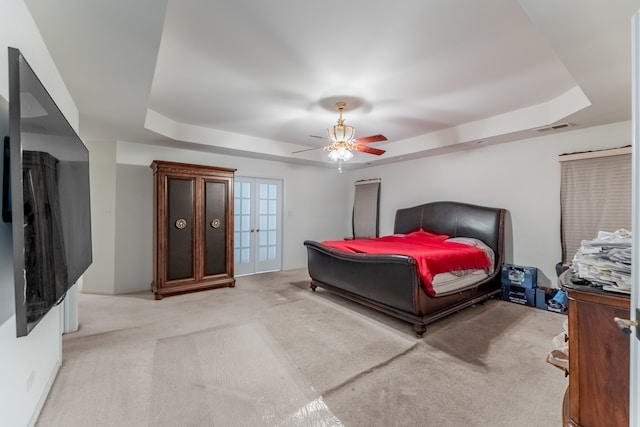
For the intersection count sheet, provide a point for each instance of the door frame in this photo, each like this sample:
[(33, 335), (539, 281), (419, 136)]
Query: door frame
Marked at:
[(634, 368)]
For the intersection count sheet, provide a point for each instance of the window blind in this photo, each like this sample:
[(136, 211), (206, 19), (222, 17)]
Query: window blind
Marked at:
[(595, 195), (365, 208)]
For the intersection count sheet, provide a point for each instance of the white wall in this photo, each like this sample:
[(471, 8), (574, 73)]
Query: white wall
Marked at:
[(28, 365), (99, 277), (521, 176), (134, 232), (315, 207)]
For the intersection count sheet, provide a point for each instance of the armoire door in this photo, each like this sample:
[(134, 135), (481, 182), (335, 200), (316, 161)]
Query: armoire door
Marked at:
[(257, 225), (216, 227), (180, 225)]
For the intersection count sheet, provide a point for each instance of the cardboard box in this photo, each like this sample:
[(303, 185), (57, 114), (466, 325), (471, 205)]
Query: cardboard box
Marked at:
[(552, 299), (518, 275), (519, 295)]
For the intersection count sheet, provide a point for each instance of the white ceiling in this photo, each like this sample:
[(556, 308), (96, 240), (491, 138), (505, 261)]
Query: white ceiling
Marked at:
[(261, 79)]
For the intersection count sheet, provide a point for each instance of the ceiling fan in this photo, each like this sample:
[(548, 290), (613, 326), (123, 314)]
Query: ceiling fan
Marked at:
[(343, 142)]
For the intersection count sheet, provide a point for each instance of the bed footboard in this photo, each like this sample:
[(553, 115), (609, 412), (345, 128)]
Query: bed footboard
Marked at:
[(391, 280)]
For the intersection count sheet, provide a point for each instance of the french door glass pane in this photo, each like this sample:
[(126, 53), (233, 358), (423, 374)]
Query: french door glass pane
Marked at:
[(245, 241), (245, 222), (246, 207)]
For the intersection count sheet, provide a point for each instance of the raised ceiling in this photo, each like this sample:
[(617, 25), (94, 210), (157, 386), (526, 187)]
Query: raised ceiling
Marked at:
[(260, 79)]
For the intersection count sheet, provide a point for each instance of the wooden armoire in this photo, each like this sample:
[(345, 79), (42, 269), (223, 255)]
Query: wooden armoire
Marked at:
[(193, 228)]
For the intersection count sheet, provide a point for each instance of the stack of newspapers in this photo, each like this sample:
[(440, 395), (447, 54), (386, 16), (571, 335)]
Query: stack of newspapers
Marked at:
[(606, 261)]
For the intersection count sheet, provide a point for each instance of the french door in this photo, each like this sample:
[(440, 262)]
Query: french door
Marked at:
[(257, 236)]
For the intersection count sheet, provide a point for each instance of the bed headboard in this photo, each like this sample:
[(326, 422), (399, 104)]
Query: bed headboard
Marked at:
[(456, 220)]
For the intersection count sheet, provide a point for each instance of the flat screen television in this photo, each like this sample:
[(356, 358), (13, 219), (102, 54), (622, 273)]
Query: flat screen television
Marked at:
[(48, 204)]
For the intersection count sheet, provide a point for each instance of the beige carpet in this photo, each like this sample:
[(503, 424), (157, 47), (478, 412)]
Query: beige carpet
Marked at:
[(269, 352)]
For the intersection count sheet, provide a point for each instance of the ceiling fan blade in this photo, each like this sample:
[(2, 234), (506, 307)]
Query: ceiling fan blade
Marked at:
[(369, 150), (311, 149), (372, 138), (308, 149)]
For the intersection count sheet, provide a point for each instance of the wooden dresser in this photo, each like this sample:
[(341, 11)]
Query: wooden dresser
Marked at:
[(598, 392), (193, 228)]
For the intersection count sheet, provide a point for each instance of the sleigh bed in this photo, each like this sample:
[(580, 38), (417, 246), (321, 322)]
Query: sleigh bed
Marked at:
[(412, 286)]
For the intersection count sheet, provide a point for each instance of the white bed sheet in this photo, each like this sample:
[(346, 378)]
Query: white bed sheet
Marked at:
[(448, 283)]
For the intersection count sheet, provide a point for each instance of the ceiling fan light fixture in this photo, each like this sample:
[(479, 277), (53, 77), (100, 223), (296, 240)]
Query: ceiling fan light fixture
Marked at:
[(340, 153), (343, 142), (342, 139), (341, 132)]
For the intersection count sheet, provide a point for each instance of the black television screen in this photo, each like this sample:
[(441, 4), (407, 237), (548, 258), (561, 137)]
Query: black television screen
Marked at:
[(49, 204)]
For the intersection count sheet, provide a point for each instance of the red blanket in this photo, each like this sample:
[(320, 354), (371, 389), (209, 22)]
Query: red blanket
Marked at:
[(432, 254)]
